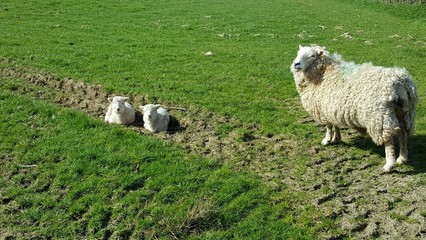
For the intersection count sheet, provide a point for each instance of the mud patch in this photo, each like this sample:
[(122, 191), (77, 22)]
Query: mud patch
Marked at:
[(347, 188)]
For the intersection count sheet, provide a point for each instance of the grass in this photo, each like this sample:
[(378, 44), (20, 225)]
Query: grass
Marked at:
[(72, 175), (98, 181), (156, 48)]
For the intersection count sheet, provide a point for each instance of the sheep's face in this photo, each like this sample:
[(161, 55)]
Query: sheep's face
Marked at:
[(306, 56), (150, 111), (118, 104)]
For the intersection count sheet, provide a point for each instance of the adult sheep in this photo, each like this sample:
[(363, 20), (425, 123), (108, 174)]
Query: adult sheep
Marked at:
[(375, 100), (120, 111)]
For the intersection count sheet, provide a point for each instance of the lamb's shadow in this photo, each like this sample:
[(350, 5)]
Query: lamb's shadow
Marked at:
[(416, 150), (173, 127), (138, 119)]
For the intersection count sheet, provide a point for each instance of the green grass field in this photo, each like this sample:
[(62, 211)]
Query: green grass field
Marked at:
[(65, 173), (96, 181)]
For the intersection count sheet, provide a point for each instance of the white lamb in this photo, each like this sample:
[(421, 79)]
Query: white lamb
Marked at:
[(375, 100), (155, 118), (120, 111)]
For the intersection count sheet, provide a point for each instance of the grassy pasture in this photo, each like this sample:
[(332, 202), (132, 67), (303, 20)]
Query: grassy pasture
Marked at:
[(65, 174), (86, 185), (156, 48)]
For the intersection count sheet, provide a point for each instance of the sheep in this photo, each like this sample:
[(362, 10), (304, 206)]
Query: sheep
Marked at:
[(156, 118), (374, 100), (120, 111)]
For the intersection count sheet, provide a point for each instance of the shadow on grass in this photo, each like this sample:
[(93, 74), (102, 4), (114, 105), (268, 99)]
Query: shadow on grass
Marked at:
[(174, 126), (416, 151)]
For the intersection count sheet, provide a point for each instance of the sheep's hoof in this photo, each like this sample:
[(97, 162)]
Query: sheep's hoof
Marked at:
[(325, 142), (387, 168), (401, 160)]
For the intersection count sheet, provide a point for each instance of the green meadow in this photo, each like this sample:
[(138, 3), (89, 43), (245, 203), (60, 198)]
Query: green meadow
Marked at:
[(65, 174)]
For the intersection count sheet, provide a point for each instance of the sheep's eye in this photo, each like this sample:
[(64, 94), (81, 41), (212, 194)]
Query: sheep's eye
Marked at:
[(313, 55)]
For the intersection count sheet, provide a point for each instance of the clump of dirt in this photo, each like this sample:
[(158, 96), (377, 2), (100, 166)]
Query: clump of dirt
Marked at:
[(348, 189)]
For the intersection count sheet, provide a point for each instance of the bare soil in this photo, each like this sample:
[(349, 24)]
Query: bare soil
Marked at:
[(348, 189)]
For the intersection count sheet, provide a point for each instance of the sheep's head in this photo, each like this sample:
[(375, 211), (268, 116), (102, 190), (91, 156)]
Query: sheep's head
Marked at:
[(150, 110), (306, 56), (118, 103)]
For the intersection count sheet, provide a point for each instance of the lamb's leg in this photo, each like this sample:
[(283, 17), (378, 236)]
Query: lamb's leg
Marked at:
[(336, 135), (390, 156), (328, 134), (403, 152)]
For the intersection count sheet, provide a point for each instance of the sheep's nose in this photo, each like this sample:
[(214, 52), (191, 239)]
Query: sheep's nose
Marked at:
[(297, 65)]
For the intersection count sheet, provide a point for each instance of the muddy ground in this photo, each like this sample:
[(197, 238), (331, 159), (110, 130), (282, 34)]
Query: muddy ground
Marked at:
[(352, 190)]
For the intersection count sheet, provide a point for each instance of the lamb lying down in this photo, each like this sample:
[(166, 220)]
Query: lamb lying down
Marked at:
[(155, 118), (375, 100), (120, 111)]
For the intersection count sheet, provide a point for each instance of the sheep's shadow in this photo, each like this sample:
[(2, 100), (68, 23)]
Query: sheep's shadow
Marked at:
[(138, 119), (416, 150), (173, 127)]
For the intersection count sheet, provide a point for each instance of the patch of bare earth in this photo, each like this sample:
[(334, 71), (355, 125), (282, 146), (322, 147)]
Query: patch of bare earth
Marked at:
[(348, 189)]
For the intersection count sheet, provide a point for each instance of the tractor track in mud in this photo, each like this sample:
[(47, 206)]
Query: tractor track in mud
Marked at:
[(351, 190)]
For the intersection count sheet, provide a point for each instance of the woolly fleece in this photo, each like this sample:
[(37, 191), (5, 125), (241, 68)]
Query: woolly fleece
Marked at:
[(375, 100)]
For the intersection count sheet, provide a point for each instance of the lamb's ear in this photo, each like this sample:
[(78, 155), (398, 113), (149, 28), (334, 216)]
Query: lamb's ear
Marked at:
[(157, 106), (110, 99), (300, 46), (141, 107), (320, 53), (120, 99)]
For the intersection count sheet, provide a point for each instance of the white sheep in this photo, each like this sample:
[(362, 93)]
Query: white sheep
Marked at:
[(120, 111), (375, 100), (155, 118)]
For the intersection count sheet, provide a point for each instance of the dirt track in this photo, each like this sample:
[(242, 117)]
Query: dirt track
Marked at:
[(350, 189)]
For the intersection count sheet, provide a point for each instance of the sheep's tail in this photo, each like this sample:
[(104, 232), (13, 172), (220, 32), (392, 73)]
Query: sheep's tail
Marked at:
[(407, 99)]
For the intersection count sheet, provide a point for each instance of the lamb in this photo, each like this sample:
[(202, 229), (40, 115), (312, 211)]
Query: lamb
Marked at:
[(120, 111), (156, 118), (375, 100)]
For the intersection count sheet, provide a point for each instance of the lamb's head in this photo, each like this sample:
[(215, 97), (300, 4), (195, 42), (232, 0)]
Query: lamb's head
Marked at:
[(118, 104), (306, 56), (150, 111)]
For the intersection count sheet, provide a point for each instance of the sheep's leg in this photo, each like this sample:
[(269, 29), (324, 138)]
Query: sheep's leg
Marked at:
[(336, 135), (403, 152), (328, 134), (390, 156)]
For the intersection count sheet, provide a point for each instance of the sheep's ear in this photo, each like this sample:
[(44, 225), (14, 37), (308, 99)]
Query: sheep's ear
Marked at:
[(121, 99), (300, 46), (141, 107), (320, 53), (157, 106), (110, 99)]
